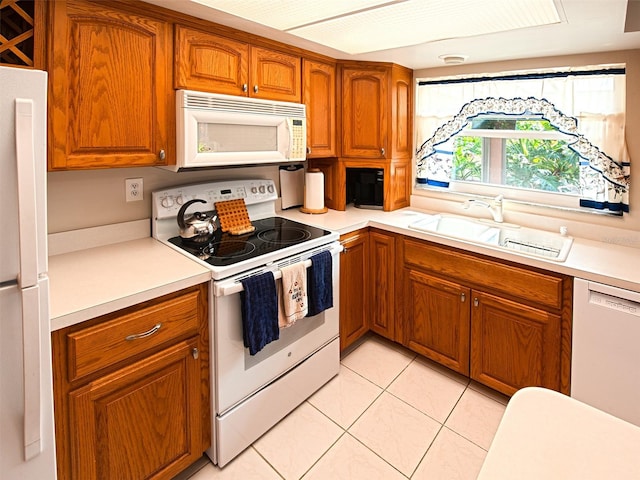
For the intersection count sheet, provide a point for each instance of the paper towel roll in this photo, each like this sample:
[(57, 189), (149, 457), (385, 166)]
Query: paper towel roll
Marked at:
[(314, 192)]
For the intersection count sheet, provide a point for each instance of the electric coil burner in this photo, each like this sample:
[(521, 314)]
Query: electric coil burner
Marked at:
[(251, 393)]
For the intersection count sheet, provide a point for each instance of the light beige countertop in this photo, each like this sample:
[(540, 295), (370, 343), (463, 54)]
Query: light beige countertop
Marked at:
[(87, 283), (546, 435), (588, 259), (90, 282)]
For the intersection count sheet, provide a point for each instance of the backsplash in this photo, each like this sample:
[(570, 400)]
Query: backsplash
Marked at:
[(89, 198)]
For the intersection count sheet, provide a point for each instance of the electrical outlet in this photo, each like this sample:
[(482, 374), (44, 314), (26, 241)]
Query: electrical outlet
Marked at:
[(133, 189)]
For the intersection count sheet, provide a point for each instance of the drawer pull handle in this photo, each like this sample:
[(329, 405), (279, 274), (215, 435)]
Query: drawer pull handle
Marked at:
[(148, 333)]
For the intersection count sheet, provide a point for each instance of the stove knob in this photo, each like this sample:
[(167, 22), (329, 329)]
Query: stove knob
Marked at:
[(167, 202), (270, 189), (262, 189), (179, 199), (254, 190)]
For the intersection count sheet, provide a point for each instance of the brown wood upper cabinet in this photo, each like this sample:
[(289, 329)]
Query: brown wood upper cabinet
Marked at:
[(319, 95), (376, 109), (213, 63), (110, 97)]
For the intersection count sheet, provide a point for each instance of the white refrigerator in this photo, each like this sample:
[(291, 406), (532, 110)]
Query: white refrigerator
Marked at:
[(27, 449)]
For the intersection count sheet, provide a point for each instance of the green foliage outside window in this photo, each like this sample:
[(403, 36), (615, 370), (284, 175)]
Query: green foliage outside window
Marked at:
[(532, 163)]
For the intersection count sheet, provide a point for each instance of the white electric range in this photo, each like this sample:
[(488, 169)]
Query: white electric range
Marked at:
[(251, 393)]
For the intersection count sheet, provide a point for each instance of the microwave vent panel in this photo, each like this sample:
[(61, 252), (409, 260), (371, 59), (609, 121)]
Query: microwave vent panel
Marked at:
[(229, 104)]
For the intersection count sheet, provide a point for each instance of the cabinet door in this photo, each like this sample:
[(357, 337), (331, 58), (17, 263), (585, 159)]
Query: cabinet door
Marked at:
[(354, 285), (382, 256), (402, 113), (437, 320), (319, 95), (275, 75), (210, 63), (110, 100), (513, 345), (364, 113), (142, 421)]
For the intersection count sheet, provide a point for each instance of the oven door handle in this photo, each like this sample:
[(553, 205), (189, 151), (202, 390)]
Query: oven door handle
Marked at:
[(236, 287)]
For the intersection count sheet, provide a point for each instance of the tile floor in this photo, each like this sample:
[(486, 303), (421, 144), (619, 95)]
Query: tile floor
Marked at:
[(389, 414)]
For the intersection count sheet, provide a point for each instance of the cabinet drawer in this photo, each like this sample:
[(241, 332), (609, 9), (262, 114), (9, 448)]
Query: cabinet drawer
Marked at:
[(530, 286), (127, 335)]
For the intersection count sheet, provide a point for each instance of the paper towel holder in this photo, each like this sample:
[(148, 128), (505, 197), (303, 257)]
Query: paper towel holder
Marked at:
[(306, 208)]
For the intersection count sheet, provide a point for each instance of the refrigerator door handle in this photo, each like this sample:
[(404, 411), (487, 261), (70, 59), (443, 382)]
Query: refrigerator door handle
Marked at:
[(27, 214), (31, 364)]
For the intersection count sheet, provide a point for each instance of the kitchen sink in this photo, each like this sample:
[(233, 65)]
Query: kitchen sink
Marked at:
[(520, 240)]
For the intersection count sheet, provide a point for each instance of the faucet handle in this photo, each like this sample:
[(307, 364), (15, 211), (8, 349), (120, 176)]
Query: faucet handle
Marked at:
[(499, 198)]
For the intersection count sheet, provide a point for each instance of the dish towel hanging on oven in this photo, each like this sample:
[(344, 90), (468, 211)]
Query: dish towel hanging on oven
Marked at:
[(259, 306), (292, 294), (319, 283)]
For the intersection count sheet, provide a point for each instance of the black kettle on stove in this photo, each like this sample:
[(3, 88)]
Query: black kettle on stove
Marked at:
[(198, 227)]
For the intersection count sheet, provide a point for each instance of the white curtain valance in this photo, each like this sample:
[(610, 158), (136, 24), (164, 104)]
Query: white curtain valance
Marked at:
[(591, 109)]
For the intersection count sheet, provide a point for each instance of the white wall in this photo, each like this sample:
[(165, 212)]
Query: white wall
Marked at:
[(623, 230)]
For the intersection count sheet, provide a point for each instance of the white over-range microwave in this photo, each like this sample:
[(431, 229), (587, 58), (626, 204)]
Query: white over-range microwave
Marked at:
[(214, 130)]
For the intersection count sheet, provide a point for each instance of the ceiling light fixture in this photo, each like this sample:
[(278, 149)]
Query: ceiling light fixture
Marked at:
[(453, 59)]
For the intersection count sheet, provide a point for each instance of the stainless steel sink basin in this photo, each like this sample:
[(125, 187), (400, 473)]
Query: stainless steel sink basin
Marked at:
[(523, 241)]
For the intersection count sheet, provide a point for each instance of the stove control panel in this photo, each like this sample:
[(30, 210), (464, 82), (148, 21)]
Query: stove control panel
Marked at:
[(166, 203)]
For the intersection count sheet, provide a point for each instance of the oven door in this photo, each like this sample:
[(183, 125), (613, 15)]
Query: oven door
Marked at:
[(239, 375)]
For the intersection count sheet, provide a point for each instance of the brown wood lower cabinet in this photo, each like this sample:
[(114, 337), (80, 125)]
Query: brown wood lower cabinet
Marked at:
[(382, 254), (437, 320), (367, 285), (514, 345), (354, 287), (505, 325), (131, 390)]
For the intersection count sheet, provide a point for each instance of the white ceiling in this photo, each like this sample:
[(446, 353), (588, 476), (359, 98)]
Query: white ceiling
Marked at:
[(498, 30)]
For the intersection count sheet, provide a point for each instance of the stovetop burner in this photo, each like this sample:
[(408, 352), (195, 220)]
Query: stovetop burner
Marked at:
[(271, 234)]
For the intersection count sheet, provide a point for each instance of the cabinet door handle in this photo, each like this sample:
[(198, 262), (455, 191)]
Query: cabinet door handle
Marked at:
[(463, 297), (195, 353), (255, 89), (382, 151), (162, 155), (245, 87), (476, 302), (148, 333), (308, 150)]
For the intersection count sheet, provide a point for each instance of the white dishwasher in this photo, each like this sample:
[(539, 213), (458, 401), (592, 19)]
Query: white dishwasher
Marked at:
[(605, 359)]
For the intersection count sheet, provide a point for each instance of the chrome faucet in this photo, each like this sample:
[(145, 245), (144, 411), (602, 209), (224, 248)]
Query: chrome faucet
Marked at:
[(495, 209)]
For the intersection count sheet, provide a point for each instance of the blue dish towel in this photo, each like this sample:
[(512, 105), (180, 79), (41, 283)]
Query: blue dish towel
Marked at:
[(319, 283), (259, 305)]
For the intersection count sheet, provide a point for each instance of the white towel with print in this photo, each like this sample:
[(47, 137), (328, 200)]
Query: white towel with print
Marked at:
[(292, 295)]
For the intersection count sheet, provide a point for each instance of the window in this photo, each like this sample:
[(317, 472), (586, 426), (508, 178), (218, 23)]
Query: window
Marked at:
[(567, 140), (519, 152)]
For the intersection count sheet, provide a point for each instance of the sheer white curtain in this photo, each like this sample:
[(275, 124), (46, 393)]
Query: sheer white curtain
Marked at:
[(597, 102)]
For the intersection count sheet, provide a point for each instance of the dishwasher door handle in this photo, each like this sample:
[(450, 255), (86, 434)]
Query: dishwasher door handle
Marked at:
[(613, 298)]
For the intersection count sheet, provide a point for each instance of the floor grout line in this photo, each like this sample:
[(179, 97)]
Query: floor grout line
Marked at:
[(382, 390)]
